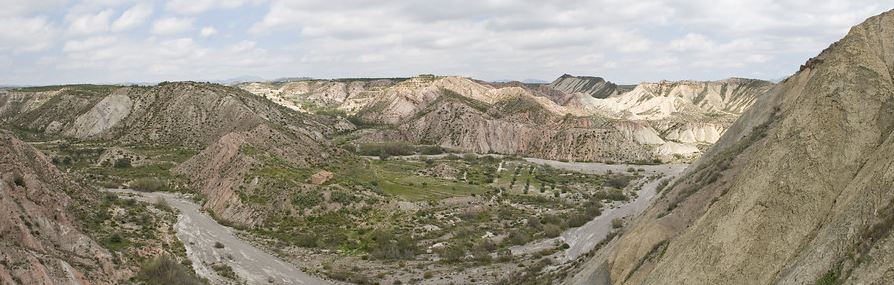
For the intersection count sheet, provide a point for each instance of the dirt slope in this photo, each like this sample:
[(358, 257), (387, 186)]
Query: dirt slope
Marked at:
[(797, 191)]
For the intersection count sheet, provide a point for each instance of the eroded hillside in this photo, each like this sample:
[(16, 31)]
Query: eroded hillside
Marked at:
[(797, 191), (573, 118)]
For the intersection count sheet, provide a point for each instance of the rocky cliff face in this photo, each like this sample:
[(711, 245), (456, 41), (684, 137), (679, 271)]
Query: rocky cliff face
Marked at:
[(655, 101), (595, 87), (41, 243), (797, 191)]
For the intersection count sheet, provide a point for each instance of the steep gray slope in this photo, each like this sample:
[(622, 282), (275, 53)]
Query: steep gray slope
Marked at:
[(596, 87), (797, 191)]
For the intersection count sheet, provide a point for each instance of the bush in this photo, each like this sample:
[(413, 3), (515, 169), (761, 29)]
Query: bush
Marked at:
[(388, 245), (617, 223), (122, 162), (453, 253), (307, 199), (388, 149), (224, 270), (551, 230), (429, 149), (164, 270), (577, 220), (518, 238), (19, 181), (217, 244), (618, 181), (148, 185), (613, 195), (162, 204)]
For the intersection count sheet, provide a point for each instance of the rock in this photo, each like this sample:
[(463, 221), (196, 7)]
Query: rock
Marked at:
[(320, 177)]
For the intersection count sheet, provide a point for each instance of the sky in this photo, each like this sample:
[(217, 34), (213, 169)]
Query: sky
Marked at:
[(625, 41)]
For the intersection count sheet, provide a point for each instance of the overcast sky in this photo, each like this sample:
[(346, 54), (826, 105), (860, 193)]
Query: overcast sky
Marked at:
[(626, 41)]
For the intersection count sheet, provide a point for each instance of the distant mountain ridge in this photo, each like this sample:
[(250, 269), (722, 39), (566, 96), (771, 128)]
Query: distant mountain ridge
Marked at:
[(666, 120)]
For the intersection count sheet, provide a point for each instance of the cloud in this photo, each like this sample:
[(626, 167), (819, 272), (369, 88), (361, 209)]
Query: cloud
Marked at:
[(200, 6), (19, 34), (624, 41), (89, 23), (26, 8), (87, 44), (172, 25), (692, 42), (208, 31), (133, 17)]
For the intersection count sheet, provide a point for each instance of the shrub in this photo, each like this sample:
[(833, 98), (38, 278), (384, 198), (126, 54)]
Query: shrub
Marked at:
[(389, 149), (162, 204), (577, 220), (148, 185), (307, 199), (217, 244), (429, 149), (19, 181), (453, 253), (613, 195), (618, 181), (551, 230), (164, 270), (617, 223), (122, 162), (224, 270), (388, 245), (518, 238)]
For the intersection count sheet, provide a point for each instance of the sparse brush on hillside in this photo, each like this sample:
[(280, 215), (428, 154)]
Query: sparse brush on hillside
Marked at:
[(148, 185), (390, 149), (163, 270)]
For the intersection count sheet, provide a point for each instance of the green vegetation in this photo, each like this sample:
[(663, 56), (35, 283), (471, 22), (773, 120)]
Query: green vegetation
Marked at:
[(308, 199), (148, 185), (224, 270), (389, 149), (387, 244), (829, 278), (18, 180), (164, 270), (86, 89)]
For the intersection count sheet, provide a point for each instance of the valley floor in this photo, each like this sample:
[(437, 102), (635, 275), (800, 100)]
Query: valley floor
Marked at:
[(211, 246), (217, 251)]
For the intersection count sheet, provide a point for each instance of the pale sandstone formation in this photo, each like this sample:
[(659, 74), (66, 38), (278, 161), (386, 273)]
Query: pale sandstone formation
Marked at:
[(102, 117), (532, 119)]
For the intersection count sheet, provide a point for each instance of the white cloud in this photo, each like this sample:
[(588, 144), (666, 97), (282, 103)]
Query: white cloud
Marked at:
[(243, 46), (692, 42), (208, 31), (133, 17), (87, 44), (25, 8), (200, 6), (171, 25), (89, 23), (489, 39), (26, 34)]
